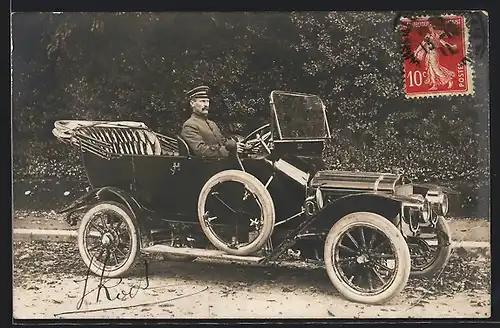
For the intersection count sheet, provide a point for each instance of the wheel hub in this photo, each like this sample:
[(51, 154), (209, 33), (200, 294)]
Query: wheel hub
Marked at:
[(362, 259), (107, 239)]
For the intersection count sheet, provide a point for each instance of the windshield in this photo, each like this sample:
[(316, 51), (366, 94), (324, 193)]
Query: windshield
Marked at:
[(299, 116)]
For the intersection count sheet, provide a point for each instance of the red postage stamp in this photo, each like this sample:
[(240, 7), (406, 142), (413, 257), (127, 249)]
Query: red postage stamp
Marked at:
[(435, 56)]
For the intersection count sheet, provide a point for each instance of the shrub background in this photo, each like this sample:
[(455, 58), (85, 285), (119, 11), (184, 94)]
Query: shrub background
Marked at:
[(137, 66)]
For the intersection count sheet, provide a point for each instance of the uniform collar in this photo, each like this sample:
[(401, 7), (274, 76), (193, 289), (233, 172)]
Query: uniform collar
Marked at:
[(198, 116)]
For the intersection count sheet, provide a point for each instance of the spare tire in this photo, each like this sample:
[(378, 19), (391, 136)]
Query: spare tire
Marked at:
[(264, 221)]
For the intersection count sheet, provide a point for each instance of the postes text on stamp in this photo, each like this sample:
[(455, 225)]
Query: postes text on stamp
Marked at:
[(435, 56)]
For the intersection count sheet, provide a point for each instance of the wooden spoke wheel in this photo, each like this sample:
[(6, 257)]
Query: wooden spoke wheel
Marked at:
[(108, 239), (428, 260), (367, 258), (236, 212)]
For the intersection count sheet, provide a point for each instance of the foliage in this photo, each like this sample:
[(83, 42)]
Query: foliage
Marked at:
[(137, 66)]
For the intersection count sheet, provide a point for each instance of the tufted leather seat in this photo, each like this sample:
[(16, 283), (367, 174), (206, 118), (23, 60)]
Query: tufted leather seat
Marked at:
[(183, 147), (132, 141), (119, 137)]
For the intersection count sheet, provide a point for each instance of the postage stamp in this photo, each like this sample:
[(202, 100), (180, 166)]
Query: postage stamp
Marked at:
[(435, 56)]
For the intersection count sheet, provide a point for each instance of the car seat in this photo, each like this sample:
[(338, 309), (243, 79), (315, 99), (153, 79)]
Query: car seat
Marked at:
[(183, 147)]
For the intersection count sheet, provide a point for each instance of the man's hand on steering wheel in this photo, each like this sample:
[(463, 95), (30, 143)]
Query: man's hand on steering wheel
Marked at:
[(252, 143), (242, 147)]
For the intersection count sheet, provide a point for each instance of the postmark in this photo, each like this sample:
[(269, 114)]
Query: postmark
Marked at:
[(435, 56)]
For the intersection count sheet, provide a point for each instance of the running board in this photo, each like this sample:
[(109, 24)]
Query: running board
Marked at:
[(200, 252)]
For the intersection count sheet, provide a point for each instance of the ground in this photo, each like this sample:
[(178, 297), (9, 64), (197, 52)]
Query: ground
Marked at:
[(44, 275), (49, 280)]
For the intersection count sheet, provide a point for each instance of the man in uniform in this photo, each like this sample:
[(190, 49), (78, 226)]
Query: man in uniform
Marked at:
[(202, 135)]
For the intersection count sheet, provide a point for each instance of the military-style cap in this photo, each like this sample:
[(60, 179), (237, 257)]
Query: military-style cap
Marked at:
[(198, 92)]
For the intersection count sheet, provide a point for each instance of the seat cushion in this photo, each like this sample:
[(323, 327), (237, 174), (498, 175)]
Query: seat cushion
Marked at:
[(123, 140)]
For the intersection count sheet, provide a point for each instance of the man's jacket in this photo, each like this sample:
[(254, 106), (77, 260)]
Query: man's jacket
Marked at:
[(203, 137)]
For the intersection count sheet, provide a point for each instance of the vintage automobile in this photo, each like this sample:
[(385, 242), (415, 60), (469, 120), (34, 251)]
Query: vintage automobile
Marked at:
[(274, 202)]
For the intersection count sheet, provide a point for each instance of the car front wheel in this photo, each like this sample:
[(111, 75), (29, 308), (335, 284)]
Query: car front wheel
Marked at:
[(367, 258), (428, 260)]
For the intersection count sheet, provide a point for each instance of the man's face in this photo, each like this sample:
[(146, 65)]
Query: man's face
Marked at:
[(200, 106)]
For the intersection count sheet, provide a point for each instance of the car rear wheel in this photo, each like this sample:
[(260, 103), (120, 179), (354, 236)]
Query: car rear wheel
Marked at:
[(367, 258), (236, 212), (428, 260), (108, 239)]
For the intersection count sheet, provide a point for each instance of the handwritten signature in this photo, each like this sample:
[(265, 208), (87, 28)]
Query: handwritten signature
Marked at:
[(108, 284)]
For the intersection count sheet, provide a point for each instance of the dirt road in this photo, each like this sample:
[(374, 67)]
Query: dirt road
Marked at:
[(49, 280)]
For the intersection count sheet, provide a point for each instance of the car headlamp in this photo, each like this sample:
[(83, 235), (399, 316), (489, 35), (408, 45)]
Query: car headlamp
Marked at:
[(439, 201), (417, 213), (411, 215), (444, 205)]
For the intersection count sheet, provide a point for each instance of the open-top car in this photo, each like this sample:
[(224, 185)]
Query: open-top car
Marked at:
[(277, 200)]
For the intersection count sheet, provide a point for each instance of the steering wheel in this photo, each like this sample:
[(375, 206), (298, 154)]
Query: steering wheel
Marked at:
[(258, 138)]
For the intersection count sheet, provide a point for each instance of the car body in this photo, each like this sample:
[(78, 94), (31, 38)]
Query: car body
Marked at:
[(178, 204)]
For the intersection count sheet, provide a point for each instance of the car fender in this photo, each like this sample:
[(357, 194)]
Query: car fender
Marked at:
[(112, 194), (387, 205)]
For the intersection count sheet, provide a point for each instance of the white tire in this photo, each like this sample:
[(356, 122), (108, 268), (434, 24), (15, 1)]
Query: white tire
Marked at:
[(119, 261), (365, 262), (441, 256), (264, 200)]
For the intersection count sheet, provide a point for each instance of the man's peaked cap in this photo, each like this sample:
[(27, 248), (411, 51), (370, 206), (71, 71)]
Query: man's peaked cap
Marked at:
[(198, 92)]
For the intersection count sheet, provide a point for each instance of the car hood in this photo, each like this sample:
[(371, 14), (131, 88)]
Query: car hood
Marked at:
[(362, 181)]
